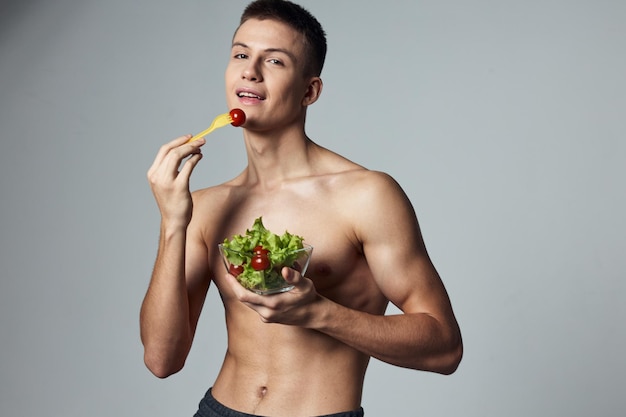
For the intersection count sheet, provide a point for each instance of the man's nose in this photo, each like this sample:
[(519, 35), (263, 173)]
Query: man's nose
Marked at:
[(251, 72)]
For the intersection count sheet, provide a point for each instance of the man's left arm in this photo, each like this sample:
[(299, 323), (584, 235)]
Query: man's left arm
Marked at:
[(426, 335)]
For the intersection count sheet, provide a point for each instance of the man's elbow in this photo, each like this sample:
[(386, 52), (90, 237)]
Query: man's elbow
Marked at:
[(450, 360), (162, 368)]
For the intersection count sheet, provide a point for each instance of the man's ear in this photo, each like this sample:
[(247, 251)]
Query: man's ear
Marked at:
[(313, 91)]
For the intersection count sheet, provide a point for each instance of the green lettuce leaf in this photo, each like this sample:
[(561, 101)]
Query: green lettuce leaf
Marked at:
[(239, 251)]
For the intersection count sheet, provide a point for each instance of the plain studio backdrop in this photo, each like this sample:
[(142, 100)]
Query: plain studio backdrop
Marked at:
[(504, 121)]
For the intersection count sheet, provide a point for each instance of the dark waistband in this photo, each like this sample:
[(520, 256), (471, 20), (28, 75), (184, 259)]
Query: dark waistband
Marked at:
[(210, 407)]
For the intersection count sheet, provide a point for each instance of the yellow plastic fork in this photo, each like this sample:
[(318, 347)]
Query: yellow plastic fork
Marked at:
[(220, 121)]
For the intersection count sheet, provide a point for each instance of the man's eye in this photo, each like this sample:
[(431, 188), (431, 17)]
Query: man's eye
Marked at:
[(240, 56), (275, 62)]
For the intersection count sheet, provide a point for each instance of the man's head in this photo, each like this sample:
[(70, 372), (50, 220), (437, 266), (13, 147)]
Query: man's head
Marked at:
[(298, 19), (277, 53)]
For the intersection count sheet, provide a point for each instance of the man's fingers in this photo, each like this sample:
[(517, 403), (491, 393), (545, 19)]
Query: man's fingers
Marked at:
[(189, 165), (165, 149), (291, 276), (172, 154), (244, 295)]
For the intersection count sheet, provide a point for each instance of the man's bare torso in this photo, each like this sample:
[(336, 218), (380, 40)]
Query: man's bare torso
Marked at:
[(275, 369)]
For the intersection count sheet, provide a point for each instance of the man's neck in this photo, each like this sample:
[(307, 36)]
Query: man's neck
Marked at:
[(274, 157)]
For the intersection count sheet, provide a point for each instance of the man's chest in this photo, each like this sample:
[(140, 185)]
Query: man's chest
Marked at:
[(337, 262)]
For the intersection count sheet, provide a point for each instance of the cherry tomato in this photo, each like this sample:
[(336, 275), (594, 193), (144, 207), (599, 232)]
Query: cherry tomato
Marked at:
[(238, 116), (260, 262), (235, 270), (260, 250)]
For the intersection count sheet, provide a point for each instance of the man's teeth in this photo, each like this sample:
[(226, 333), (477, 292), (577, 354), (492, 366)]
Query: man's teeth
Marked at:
[(244, 94)]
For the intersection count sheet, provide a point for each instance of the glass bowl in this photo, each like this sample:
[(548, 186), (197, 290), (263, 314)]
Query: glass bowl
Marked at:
[(269, 280)]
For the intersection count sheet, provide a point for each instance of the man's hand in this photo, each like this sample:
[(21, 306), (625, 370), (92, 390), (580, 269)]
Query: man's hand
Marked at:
[(170, 181), (293, 307)]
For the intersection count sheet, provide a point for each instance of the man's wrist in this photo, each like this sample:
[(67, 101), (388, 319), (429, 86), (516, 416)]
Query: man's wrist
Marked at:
[(171, 228), (321, 313)]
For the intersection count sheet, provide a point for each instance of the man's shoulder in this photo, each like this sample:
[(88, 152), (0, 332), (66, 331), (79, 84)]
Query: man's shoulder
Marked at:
[(213, 191), (361, 179), (356, 189), (339, 168), (218, 194)]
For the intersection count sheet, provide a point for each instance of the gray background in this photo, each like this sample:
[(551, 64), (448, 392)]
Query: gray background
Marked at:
[(504, 121)]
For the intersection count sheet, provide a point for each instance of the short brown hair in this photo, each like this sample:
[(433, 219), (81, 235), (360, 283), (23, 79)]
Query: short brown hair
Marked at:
[(300, 20)]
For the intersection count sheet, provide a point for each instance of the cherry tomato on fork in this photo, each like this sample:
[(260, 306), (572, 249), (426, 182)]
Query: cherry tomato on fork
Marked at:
[(238, 116)]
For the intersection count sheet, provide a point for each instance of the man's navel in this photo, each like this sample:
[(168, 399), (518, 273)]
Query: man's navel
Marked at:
[(261, 393)]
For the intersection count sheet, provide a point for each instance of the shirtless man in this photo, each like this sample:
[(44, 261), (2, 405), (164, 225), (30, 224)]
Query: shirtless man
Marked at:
[(303, 352)]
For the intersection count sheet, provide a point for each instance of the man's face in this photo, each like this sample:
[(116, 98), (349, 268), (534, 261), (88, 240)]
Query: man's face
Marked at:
[(265, 74)]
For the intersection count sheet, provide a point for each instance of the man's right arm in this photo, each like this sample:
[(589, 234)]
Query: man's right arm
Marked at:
[(178, 286)]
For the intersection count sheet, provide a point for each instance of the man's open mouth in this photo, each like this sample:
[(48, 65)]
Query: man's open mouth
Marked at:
[(249, 94)]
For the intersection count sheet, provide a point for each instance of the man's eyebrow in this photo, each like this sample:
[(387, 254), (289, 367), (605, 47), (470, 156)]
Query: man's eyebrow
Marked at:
[(281, 50)]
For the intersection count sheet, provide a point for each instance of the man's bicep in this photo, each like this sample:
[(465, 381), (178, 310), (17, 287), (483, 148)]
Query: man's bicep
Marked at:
[(396, 252)]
